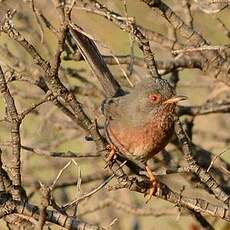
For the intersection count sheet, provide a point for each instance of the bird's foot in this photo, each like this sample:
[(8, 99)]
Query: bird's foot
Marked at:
[(153, 181), (111, 156)]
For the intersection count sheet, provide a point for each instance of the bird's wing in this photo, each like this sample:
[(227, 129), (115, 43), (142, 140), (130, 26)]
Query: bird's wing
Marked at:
[(110, 107)]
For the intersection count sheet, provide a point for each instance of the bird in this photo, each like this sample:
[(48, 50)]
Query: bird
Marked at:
[(140, 123)]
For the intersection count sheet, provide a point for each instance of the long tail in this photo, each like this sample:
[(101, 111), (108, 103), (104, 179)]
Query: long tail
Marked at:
[(97, 64)]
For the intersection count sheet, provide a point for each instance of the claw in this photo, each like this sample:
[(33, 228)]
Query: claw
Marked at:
[(153, 180)]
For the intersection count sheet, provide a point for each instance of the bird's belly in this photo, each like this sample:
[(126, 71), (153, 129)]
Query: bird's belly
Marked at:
[(140, 142)]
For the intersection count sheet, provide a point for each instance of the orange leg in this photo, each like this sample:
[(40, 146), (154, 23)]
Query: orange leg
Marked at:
[(153, 180), (112, 155)]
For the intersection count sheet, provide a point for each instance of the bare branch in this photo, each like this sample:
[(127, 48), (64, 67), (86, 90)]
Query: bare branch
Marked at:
[(15, 122)]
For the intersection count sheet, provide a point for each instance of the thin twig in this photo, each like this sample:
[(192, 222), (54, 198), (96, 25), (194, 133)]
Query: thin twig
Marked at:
[(215, 158), (87, 195), (59, 174)]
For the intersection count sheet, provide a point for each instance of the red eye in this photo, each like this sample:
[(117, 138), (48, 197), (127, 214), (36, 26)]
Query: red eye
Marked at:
[(154, 97)]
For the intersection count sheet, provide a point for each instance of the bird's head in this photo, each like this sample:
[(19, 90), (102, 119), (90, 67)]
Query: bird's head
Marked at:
[(152, 96)]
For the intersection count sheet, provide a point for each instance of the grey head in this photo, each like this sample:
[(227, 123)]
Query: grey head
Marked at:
[(147, 99)]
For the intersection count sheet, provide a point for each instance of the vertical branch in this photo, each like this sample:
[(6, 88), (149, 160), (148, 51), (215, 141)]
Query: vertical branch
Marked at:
[(15, 122), (56, 62), (174, 76), (45, 199), (5, 182), (143, 44)]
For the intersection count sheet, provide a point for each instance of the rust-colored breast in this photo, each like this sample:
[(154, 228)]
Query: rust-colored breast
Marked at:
[(144, 141)]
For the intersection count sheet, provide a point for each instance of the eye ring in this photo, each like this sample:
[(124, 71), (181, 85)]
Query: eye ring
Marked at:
[(154, 97)]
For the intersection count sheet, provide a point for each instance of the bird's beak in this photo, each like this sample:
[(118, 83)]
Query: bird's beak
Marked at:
[(175, 99)]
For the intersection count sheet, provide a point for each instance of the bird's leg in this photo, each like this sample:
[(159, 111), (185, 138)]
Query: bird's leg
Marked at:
[(111, 156), (153, 180)]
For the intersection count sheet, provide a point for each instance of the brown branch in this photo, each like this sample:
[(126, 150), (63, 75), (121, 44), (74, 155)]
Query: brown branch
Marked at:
[(160, 39), (165, 193), (12, 116), (129, 209), (203, 175), (164, 66), (207, 108), (17, 221), (68, 154), (26, 210), (6, 183), (33, 107), (45, 192)]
